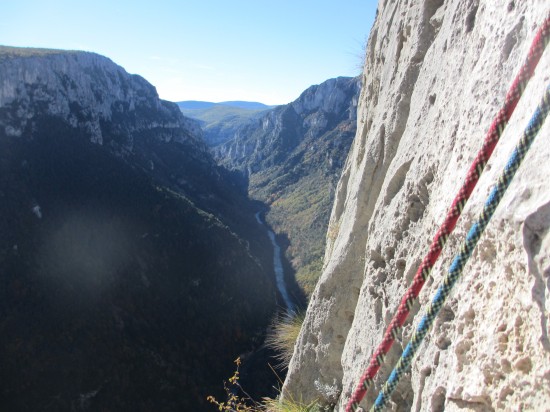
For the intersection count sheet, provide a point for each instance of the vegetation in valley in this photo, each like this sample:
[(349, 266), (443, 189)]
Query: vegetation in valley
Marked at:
[(293, 160), (300, 200), (119, 290)]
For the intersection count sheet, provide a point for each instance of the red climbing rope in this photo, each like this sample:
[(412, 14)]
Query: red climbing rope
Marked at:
[(493, 135)]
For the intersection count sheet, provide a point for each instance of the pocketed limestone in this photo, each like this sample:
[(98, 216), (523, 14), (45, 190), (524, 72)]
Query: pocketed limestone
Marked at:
[(436, 73)]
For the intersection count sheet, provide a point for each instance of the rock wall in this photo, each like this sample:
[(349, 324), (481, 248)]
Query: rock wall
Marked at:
[(268, 141), (436, 73), (86, 90)]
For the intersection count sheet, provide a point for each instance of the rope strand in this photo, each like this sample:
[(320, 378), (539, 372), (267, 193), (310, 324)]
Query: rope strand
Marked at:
[(493, 135), (475, 232)]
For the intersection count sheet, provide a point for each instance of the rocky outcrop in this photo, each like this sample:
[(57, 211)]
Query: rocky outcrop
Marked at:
[(436, 72), (292, 157), (87, 91), (268, 141), (120, 112)]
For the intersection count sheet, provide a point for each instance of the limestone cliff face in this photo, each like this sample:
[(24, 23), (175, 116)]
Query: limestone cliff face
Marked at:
[(274, 137), (436, 73), (88, 91)]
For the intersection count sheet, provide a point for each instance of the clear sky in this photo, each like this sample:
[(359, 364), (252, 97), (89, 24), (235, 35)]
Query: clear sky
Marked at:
[(213, 50)]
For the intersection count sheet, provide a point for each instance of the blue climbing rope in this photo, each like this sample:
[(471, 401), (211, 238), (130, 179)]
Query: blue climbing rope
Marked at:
[(468, 246)]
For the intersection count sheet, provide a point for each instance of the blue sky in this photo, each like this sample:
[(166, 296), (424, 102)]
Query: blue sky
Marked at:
[(214, 50)]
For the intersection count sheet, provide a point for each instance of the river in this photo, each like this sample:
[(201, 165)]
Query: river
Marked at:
[(278, 267)]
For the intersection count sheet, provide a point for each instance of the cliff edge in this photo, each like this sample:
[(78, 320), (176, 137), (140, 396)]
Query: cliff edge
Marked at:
[(436, 73)]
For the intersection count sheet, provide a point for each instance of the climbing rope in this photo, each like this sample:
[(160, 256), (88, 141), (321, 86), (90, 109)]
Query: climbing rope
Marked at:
[(468, 246), (493, 135)]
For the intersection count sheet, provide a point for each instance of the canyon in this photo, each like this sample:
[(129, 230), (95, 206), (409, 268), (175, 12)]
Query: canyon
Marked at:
[(140, 254)]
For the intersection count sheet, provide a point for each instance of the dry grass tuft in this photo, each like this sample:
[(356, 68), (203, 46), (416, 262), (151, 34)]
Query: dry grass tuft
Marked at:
[(283, 334)]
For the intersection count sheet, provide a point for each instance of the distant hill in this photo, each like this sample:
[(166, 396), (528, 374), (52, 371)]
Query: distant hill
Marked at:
[(197, 104), (220, 121), (247, 105)]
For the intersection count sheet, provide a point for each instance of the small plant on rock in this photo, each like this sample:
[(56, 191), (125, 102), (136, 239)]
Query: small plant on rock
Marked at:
[(244, 403)]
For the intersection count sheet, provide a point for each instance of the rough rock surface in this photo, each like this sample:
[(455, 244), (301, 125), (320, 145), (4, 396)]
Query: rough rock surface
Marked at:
[(270, 140), (87, 90), (436, 73)]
